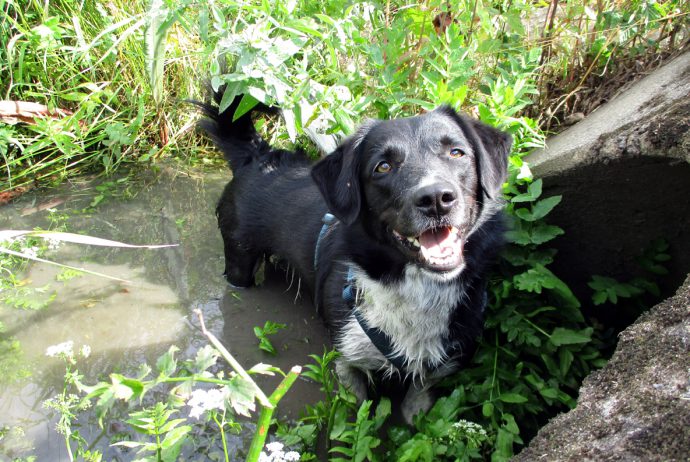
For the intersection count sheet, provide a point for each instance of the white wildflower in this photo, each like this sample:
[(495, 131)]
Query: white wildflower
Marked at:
[(61, 349), (276, 454), (85, 351), (275, 446), (525, 172), (30, 252), (54, 244), (206, 400), (291, 456)]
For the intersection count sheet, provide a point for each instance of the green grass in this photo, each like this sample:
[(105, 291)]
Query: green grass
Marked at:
[(123, 68), (90, 58)]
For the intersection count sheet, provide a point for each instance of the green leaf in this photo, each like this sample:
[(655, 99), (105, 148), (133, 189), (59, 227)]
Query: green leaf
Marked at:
[(247, 103), (544, 206), (504, 445), (566, 358), (128, 444), (242, 394), (551, 393), (532, 194), (512, 398), (135, 387), (167, 363), (155, 38), (541, 233), (232, 89), (562, 336), (172, 444), (383, 411), (205, 358)]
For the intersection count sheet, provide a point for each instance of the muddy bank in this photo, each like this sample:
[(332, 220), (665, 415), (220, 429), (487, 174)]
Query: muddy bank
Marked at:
[(133, 323)]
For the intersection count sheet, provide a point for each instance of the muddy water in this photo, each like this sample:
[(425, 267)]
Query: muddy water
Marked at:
[(126, 324)]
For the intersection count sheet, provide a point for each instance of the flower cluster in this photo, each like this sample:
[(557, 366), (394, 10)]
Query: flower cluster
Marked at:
[(206, 400), (276, 454), (65, 350), (468, 432)]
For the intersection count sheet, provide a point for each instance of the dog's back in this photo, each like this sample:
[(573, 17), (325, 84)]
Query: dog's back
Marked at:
[(271, 207)]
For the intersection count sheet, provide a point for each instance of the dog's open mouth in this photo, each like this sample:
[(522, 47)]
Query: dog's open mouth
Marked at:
[(439, 249)]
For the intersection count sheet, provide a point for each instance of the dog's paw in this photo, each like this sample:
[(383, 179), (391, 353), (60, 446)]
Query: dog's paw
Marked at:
[(416, 401)]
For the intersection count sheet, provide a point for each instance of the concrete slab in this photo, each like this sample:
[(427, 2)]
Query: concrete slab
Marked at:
[(668, 85)]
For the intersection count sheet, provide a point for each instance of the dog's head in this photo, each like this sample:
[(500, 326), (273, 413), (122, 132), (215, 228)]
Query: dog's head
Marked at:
[(422, 184)]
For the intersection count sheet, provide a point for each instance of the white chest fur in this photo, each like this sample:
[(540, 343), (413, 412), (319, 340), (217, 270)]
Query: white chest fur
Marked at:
[(414, 313)]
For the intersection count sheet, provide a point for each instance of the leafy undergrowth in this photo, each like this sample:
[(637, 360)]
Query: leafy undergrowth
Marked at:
[(110, 77)]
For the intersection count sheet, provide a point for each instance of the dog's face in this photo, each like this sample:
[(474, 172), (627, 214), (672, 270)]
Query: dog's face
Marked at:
[(420, 184)]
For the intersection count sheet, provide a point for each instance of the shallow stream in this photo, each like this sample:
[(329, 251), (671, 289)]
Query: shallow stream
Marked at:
[(126, 324)]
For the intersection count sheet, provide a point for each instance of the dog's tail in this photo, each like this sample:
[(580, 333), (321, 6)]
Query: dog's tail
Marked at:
[(237, 139)]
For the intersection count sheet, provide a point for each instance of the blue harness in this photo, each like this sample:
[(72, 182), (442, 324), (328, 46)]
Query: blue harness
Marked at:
[(380, 340)]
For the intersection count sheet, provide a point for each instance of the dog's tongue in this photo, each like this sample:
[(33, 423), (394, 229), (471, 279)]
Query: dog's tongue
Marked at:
[(438, 243)]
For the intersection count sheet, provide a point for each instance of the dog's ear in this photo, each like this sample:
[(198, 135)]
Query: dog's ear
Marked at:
[(493, 167), (337, 176)]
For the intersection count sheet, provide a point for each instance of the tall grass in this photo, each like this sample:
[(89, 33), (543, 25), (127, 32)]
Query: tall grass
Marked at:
[(91, 58), (122, 67)]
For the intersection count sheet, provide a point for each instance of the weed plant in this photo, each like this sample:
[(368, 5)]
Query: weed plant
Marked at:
[(122, 68), (90, 58)]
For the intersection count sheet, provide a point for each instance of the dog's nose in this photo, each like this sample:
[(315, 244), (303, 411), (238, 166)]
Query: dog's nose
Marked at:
[(435, 200)]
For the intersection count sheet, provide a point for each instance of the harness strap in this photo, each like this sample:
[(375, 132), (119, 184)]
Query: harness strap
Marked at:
[(328, 220), (381, 341)]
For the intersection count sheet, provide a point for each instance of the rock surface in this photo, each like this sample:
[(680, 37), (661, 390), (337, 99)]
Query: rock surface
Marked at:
[(651, 118), (637, 408), (624, 174)]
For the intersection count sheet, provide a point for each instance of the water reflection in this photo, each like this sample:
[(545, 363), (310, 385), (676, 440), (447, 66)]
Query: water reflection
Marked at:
[(128, 324)]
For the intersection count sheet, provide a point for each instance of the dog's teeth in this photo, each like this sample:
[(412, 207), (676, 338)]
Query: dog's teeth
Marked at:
[(414, 242)]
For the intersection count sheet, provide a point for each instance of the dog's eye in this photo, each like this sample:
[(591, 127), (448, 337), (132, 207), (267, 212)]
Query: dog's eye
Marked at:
[(383, 167), (456, 153)]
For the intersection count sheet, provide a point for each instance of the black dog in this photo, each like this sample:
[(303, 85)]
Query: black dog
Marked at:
[(399, 269)]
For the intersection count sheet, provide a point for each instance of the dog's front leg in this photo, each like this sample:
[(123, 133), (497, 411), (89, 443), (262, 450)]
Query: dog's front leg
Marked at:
[(417, 400), (352, 378)]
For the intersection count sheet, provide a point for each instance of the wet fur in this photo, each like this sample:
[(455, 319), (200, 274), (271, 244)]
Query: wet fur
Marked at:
[(275, 203)]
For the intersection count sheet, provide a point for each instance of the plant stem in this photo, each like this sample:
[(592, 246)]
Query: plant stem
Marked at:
[(232, 361), (267, 414), (222, 437)]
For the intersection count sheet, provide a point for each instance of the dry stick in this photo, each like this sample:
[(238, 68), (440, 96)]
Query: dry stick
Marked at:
[(474, 15), (582, 80), (267, 414), (260, 396)]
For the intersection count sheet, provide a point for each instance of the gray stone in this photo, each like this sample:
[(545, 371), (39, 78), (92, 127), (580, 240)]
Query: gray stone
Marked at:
[(663, 95), (637, 408), (624, 174)]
